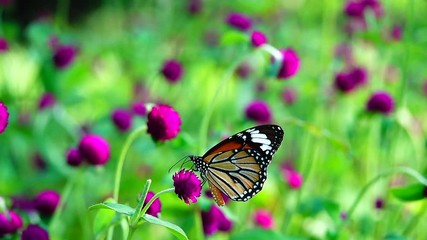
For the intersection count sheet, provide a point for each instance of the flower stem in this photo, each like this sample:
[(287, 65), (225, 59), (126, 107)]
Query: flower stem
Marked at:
[(122, 158), (135, 217), (157, 195), (405, 170)]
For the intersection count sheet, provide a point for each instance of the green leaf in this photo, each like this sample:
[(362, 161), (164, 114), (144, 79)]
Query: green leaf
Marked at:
[(234, 37), (409, 193), (177, 231), (119, 208), (261, 234), (102, 221)]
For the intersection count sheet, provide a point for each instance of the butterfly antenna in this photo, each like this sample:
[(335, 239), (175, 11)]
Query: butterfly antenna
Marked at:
[(180, 160)]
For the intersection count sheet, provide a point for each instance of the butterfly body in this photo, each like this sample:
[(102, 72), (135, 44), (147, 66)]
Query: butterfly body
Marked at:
[(238, 165)]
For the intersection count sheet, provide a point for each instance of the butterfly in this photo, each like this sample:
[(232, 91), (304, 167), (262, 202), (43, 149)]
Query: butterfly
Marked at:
[(237, 166)]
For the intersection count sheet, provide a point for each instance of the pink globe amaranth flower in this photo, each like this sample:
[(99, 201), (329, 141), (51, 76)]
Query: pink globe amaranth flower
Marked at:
[(64, 55), (74, 158), (379, 203), (359, 75), (34, 232), (47, 100), (138, 108), (23, 203), (244, 70), (289, 95), (290, 64), (94, 149), (239, 21), (194, 6), (396, 32), (343, 215), (4, 45), (122, 119), (258, 111), (344, 83), (214, 220), (380, 102), (163, 123), (172, 70), (292, 177), (9, 223), (258, 39), (187, 185), (46, 202), (263, 219), (4, 117), (155, 208), (354, 9)]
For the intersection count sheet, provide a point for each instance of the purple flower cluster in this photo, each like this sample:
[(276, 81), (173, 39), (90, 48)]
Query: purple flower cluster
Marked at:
[(215, 220), (292, 176), (263, 219), (380, 102), (172, 70), (258, 39), (63, 55), (122, 119), (10, 222), (92, 148), (47, 100), (290, 64), (258, 111), (289, 95), (187, 185), (163, 123), (349, 80), (4, 45), (239, 21), (4, 117), (46, 202), (34, 232), (356, 11), (156, 207)]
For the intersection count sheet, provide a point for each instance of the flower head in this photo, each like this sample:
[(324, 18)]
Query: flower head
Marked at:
[(74, 158), (46, 100), (214, 220), (264, 219), (9, 223), (354, 9), (292, 177), (290, 64), (379, 203), (156, 207), (122, 119), (46, 202), (344, 83), (64, 55), (23, 203), (380, 102), (163, 123), (94, 149), (289, 95), (258, 38), (359, 75), (259, 111), (194, 6), (4, 45), (4, 117), (187, 185), (33, 232), (239, 21), (172, 70), (138, 108), (244, 70), (396, 32)]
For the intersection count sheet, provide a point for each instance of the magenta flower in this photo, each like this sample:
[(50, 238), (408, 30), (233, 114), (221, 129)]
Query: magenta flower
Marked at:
[(244, 70), (359, 75), (214, 220), (10, 223), (47, 100), (74, 158), (194, 6), (289, 95), (46, 202), (290, 64), (380, 102), (379, 203), (172, 70), (264, 219), (4, 117), (354, 9), (23, 203), (258, 111), (156, 207), (258, 38), (122, 119), (292, 177), (163, 123), (64, 55), (34, 232), (344, 83), (4, 45), (187, 185), (375, 6), (239, 21), (138, 108), (396, 32), (94, 149), (343, 215)]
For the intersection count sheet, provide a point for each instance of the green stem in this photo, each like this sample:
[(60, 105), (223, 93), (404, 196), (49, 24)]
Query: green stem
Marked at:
[(131, 232), (131, 138), (157, 195), (135, 217), (404, 170)]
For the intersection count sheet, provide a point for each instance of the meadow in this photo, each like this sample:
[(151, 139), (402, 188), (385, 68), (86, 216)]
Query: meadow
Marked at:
[(99, 113)]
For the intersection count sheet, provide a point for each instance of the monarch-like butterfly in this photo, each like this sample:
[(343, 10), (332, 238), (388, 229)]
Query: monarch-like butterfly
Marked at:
[(237, 166)]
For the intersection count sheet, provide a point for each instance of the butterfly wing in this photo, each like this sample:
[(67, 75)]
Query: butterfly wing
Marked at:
[(237, 166)]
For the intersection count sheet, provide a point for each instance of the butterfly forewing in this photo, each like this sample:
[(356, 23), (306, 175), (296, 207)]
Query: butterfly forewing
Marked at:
[(237, 166)]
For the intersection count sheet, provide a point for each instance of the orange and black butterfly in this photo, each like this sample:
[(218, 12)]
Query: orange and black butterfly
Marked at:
[(237, 166)]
